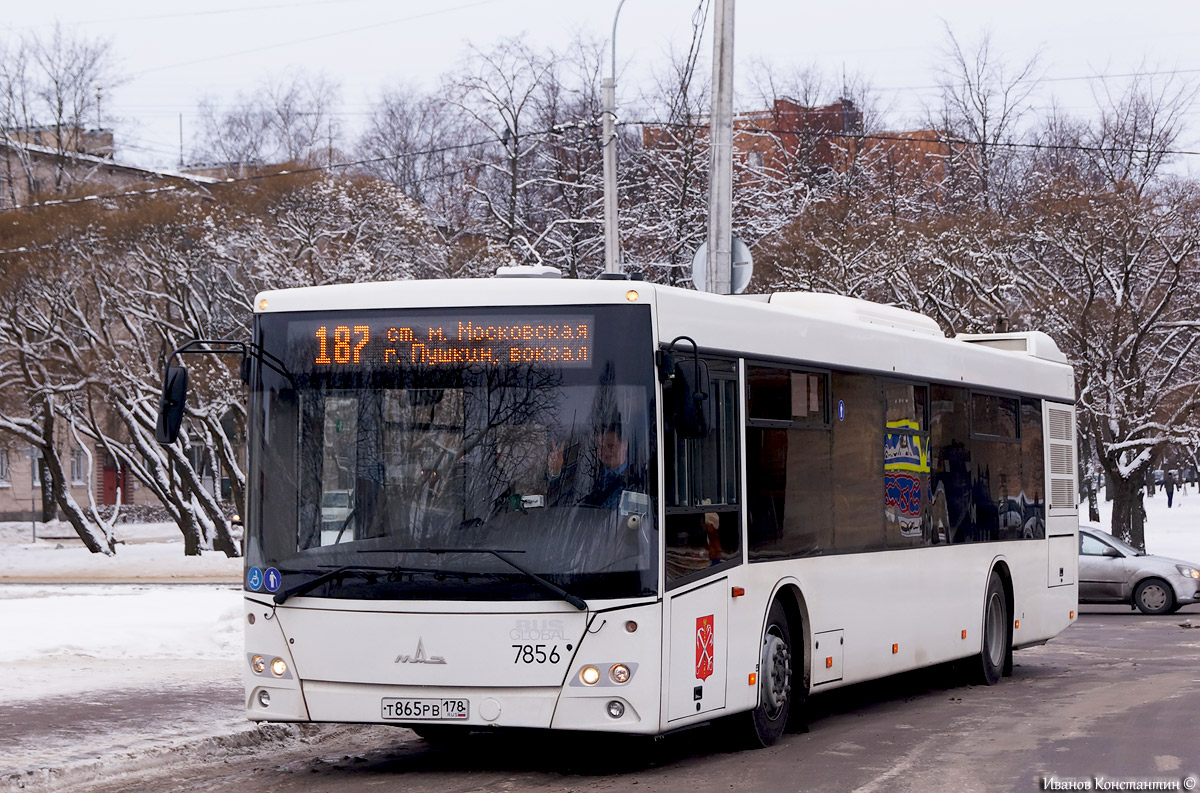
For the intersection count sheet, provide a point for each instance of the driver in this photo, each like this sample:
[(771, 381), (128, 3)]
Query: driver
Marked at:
[(613, 475)]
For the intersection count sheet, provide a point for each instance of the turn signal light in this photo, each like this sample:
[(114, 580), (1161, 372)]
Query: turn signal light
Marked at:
[(829, 662), (1072, 615), (895, 649), (1016, 624), (258, 664), (619, 673), (753, 679), (964, 634)]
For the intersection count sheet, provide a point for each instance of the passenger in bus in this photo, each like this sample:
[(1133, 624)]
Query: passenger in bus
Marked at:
[(613, 476)]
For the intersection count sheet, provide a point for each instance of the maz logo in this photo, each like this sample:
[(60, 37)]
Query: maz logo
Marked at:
[(420, 657)]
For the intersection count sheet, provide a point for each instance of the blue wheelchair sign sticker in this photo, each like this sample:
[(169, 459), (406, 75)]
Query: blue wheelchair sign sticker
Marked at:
[(841, 410), (272, 579), (254, 578)]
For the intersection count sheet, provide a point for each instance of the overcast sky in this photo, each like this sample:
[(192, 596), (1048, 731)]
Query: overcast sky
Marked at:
[(175, 53)]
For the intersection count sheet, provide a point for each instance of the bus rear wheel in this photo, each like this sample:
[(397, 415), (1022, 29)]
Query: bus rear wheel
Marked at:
[(764, 725), (996, 643)]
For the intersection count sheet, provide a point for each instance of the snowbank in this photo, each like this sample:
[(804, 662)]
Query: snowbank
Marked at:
[(151, 552)]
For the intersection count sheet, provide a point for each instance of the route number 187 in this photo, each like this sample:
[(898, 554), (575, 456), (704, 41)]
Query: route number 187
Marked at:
[(342, 351)]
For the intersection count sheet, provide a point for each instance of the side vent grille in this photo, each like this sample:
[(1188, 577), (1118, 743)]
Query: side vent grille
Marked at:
[(1060, 424)]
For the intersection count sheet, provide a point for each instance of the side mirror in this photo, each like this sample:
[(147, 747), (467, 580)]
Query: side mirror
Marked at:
[(171, 405), (1114, 553), (692, 405), (685, 385)]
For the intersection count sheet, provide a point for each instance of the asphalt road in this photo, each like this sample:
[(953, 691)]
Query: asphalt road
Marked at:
[(1117, 696)]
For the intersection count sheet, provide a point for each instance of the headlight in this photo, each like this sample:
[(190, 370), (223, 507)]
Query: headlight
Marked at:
[(279, 667), (1187, 572), (589, 675)]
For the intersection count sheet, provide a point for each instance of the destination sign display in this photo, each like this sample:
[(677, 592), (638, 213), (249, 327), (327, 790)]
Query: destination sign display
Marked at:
[(346, 342)]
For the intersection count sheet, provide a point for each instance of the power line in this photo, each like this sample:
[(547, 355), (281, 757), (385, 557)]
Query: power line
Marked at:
[(944, 139), (331, 34), (182, 14), (938, 139)]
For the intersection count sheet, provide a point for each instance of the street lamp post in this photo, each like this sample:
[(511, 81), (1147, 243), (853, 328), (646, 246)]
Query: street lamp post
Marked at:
[(612, 241), (720, 175)]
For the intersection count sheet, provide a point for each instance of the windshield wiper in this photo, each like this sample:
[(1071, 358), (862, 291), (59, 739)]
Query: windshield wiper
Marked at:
[(574, 600), (337, 572)]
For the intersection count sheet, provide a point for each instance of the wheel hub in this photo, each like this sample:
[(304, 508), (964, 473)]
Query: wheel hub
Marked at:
[(995, 630), (777, 672), (1153, 597)]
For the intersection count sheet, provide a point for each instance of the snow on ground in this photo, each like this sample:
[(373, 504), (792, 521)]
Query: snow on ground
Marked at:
[(148, 607)]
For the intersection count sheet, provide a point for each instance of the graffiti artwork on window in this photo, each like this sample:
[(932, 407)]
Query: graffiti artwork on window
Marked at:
[(905, 476)]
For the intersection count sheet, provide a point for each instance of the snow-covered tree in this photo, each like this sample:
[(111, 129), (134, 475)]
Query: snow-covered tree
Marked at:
[(292, 119), (1113, 272)]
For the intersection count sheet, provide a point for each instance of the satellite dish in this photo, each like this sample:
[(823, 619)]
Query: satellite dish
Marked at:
[(743, 267)]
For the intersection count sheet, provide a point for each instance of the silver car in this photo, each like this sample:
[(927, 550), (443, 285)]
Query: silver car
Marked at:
[(1111, 571)]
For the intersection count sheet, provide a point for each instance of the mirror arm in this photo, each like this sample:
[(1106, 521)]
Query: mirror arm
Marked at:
[(233, 346), (699, 396)]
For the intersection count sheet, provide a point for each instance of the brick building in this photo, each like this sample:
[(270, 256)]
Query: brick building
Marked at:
[(36, 164)]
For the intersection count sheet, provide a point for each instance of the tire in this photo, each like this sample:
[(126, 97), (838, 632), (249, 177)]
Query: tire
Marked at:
[(764, 725), (1154, 596), (997, 644)]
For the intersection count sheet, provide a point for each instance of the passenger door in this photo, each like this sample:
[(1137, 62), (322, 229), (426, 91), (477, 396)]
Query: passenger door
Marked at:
[(702, 544)]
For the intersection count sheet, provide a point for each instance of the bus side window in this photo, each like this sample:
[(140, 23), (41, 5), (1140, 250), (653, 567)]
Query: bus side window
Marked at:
[(996, 472), (907, 512), (1033, 471), (950, 461), (787, 462), (702, 509)]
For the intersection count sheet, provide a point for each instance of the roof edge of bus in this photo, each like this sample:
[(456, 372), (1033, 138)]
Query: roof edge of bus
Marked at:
[(857, 309), (1031, 342), (456, 291)]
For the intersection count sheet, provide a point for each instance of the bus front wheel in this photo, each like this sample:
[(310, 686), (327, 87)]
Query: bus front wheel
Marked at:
[(996, 642), (765, 724)]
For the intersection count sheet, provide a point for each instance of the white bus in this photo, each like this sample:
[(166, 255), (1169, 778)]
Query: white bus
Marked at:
[(618, 506)]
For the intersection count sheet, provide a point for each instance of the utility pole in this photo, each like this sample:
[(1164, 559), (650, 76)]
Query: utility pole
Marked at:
[(720, 174), (612, 240)]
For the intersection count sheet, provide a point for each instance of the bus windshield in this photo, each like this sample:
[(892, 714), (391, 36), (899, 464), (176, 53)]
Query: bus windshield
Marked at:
[(422, 448)]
